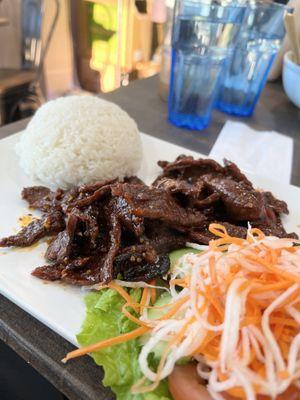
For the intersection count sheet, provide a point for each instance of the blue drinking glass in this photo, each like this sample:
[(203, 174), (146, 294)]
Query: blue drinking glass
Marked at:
[(247, 70), (203, 35)]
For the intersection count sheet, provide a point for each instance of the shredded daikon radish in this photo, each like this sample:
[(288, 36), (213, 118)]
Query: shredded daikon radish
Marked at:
[(235, 308)]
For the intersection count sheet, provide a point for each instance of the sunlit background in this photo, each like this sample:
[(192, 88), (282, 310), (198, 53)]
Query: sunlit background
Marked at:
[(53, 47)]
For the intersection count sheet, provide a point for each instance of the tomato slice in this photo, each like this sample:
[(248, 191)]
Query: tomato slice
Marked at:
[(185, 384)]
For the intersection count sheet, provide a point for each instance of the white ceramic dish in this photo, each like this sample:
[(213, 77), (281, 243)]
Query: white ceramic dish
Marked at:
[(291, 78), (57, 305)]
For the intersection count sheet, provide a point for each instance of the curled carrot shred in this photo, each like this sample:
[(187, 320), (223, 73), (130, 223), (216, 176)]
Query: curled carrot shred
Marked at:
[(106, 343)]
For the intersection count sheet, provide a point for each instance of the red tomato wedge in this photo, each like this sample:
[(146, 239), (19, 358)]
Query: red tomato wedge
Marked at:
[(185, 384)]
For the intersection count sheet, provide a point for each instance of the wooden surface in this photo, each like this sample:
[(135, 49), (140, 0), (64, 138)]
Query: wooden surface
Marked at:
[(44, 349)]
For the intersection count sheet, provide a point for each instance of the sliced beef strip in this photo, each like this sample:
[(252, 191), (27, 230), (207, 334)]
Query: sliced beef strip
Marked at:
[(42, 198), (158, 241), (174, 186), (126, 216), (89, 275), (241, 202), (134, 269), (157, 204), (115, 230), (93, 187), (79, 263), (273, 229), (203, 165), (69, 199), (134, 180), (186, 167), (61, 247), (270, 222), (232, 170), (143, 251), (96, 196), (279, 206), (34, 194), (51, 272), (163, 238), (206, 202), (48, 225), (88, 221)]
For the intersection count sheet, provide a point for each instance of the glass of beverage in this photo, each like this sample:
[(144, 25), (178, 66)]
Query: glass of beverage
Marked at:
[(247, 70), (203, 36)]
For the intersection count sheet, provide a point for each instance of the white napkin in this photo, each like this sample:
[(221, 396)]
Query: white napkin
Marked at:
[(263, 153)]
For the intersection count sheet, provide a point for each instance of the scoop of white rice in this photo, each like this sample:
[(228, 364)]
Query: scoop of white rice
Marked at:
[(79, 139)]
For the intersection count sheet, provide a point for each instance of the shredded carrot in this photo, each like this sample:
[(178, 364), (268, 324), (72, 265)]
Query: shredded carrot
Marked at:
[(237, 392), (271, 287), (218, 230), (278, 330), (226, 241), (132, 317), (214, 301), (106, 343), (178, 282), (212, 271), (208, 338), (274, 269), (257, 233), (250, 321), (284, 321), (123, 293), (283, 374), (175, 308)]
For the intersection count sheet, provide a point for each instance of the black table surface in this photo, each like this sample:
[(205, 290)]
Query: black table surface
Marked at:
[(43, 348)]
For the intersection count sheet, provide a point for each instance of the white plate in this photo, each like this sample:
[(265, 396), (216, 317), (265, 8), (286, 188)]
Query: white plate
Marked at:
[(59, 306)]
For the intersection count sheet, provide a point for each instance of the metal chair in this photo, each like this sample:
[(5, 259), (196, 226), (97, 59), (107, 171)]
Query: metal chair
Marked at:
[(20, 93)]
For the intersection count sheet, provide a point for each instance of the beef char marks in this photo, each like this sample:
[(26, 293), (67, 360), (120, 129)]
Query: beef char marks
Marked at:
[(126, 229)]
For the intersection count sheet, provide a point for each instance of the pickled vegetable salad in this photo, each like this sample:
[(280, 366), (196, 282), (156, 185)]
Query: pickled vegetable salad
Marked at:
[(234, 307)]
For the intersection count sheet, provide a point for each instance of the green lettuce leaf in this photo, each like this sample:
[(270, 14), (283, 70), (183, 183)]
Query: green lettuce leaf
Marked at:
[(104, 319)]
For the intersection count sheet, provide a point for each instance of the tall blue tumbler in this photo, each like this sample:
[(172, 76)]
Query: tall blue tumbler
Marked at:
[(247, 69), (204, 33)]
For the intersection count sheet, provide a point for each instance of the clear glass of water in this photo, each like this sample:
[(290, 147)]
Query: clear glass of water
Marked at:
[(248, 67), (203, 35)]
